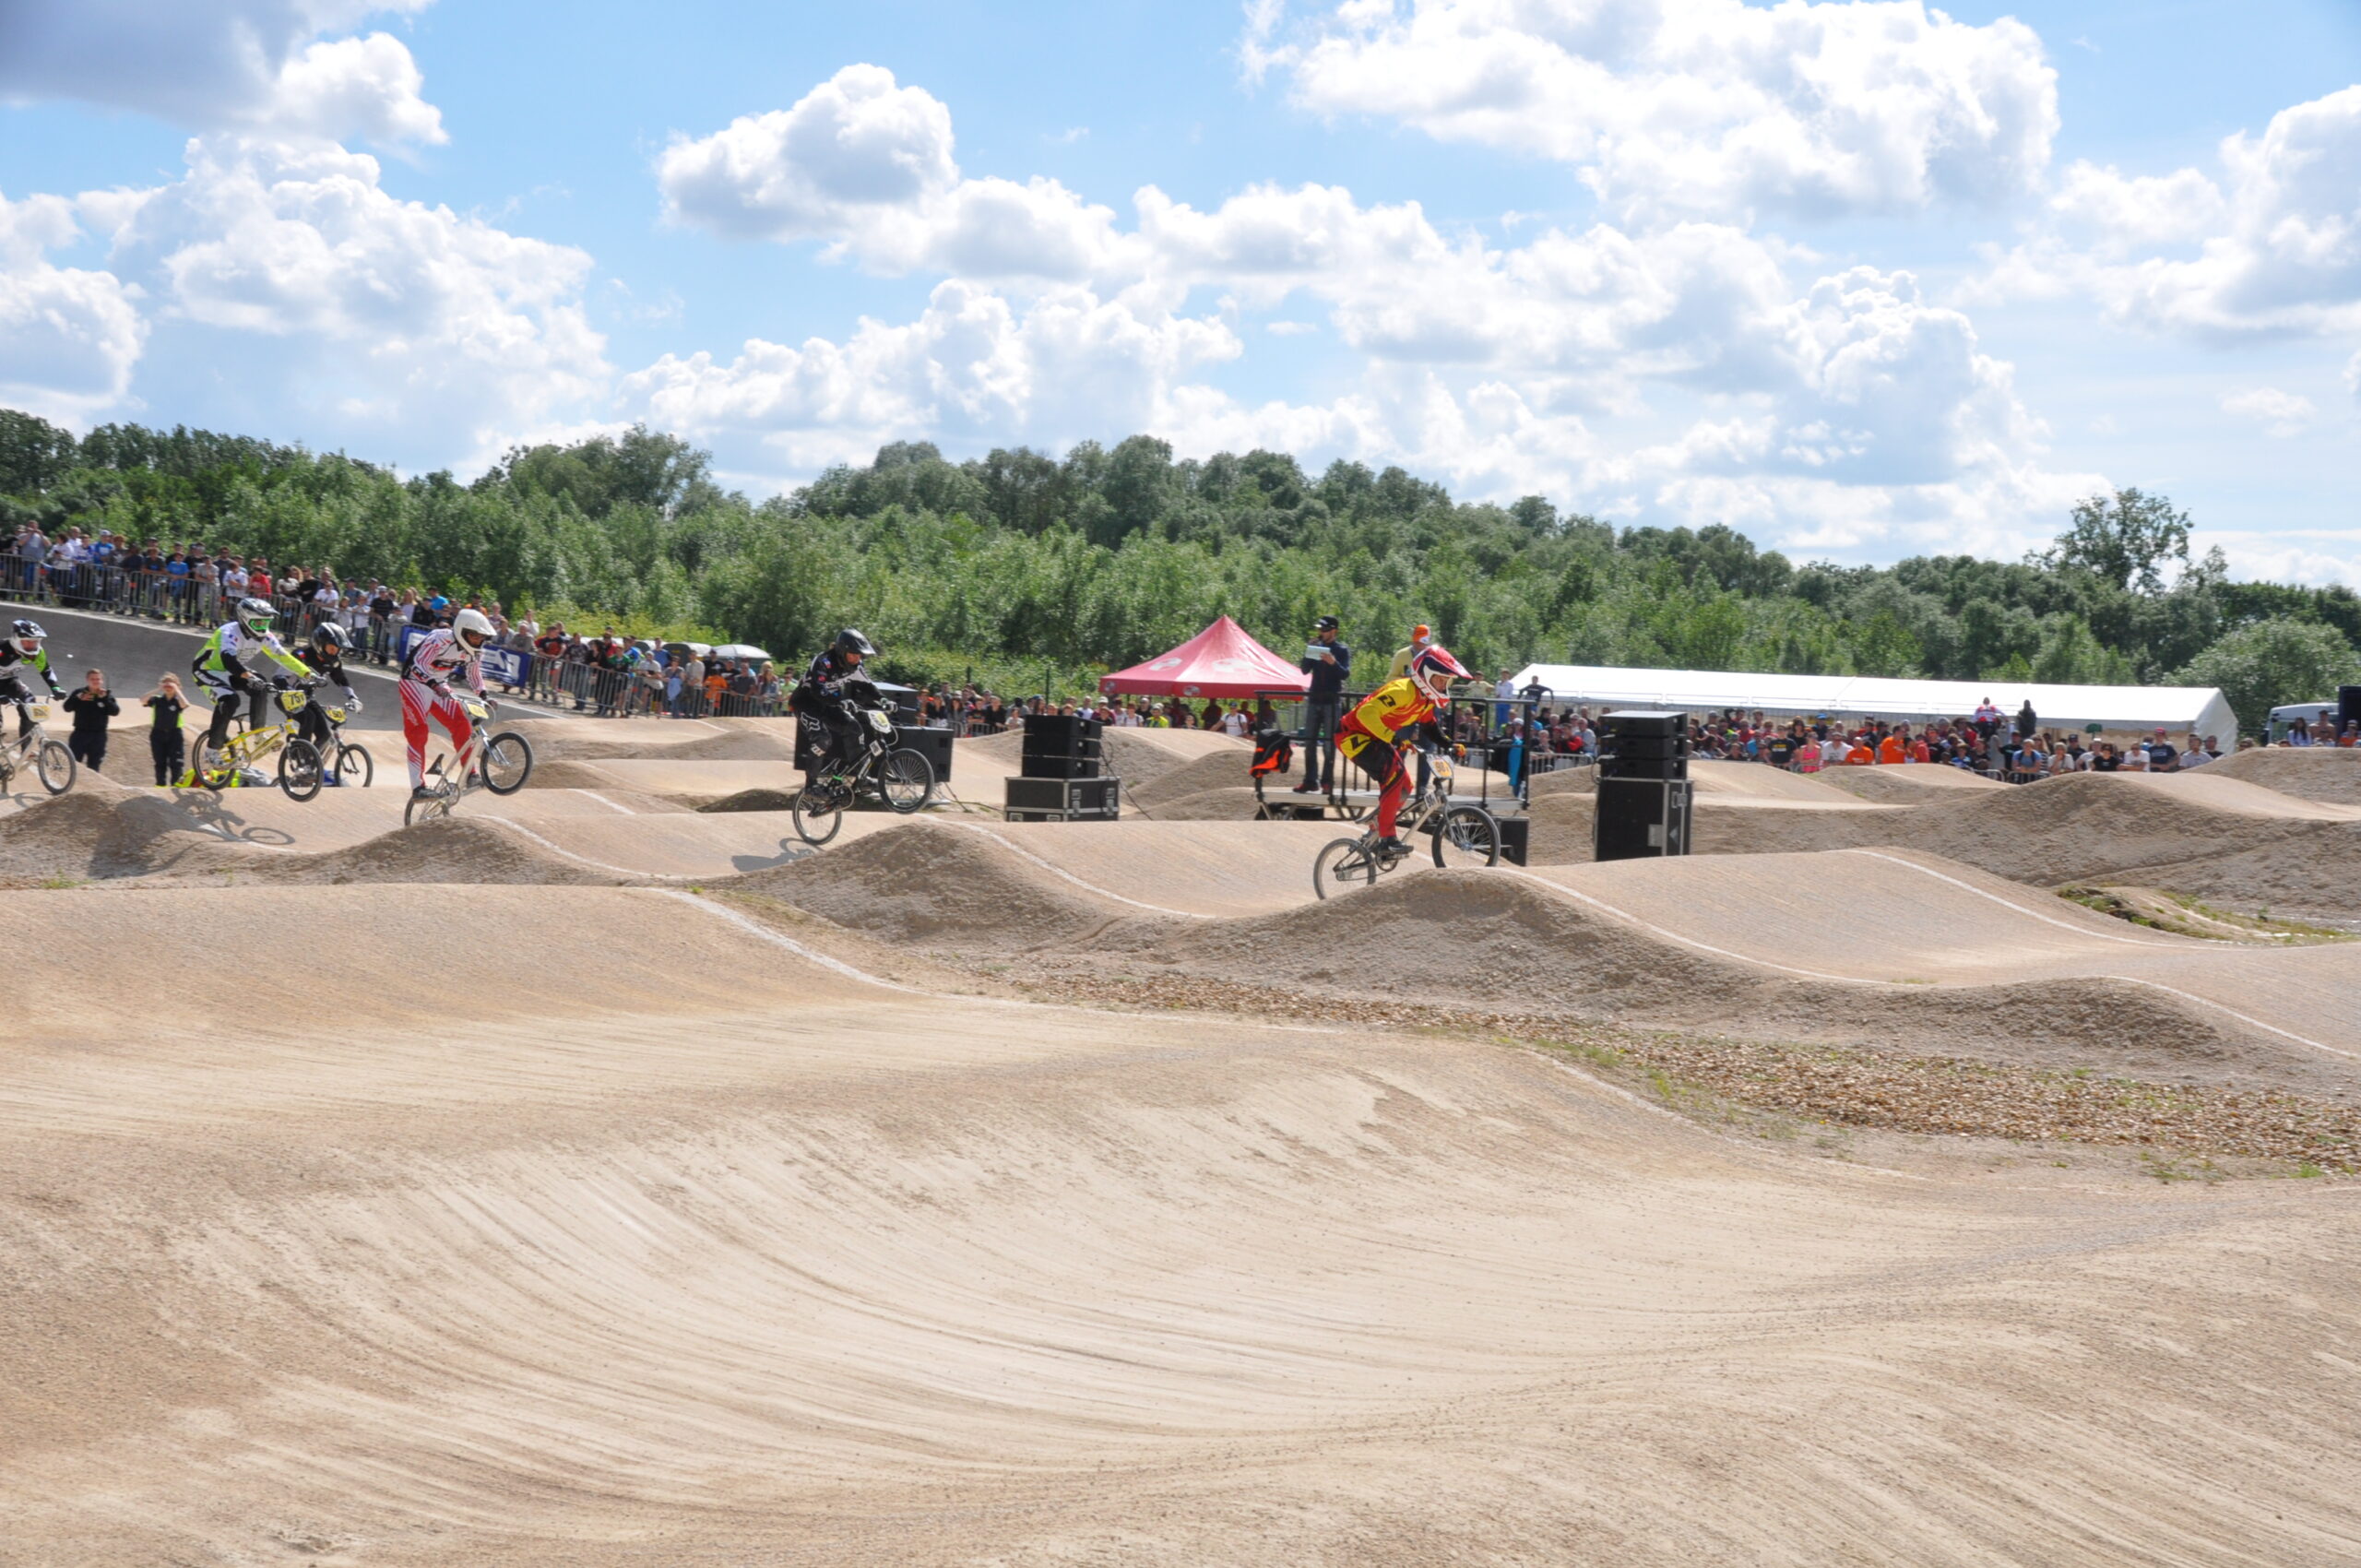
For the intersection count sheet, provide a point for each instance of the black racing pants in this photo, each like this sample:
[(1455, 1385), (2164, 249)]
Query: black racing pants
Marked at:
[(225, 687)]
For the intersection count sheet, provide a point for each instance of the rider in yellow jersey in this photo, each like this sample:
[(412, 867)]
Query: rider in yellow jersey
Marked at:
[(1372, 733)]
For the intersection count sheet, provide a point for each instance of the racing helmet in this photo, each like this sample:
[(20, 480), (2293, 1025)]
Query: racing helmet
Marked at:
[(26, 635), (850, 641), (256, 615), (331, 638), (472, 628), (1433, 670)]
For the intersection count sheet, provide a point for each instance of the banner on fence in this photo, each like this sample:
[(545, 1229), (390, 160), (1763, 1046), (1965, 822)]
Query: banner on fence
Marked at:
[(502, 666)]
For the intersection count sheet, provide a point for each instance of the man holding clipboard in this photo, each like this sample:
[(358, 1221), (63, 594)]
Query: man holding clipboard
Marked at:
[(1329, 663)]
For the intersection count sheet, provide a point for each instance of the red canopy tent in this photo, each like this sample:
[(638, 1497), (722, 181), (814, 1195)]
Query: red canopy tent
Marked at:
[(1220, 662)]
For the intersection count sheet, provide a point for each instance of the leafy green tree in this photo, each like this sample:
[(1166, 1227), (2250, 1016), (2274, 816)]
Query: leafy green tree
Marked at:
[(2272, 664), (2123, 540)]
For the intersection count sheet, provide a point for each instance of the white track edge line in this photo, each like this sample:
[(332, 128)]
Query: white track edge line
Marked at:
[(608, 804), (2011, 904), (585, 859)]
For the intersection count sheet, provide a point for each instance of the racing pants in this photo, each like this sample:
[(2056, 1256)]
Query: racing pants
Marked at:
[(1382, 763), (421, 702)]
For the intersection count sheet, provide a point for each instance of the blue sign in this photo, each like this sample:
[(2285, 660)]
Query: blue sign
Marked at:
[(502, 666)]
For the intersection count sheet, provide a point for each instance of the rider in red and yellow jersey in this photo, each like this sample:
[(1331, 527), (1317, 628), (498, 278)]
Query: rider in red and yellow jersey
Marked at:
[(1372, 733)]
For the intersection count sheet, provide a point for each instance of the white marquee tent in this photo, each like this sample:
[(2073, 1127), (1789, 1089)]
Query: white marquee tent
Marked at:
[(2174, 708)]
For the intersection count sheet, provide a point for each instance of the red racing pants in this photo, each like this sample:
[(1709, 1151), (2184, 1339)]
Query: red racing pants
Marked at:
[(1382, 763), (421, 702)]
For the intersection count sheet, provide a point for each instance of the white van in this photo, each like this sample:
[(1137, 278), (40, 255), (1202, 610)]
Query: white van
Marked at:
[(2312, 713)]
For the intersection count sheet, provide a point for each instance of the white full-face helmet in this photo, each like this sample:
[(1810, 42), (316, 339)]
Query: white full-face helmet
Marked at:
[(472, 628)]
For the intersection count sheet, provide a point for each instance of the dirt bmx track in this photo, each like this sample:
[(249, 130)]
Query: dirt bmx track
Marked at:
[(691, 1198)]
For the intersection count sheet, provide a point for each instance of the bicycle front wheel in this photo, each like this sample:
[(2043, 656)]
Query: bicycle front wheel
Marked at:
[(354, 767), (907, 781), (56, 765), (507, 762), (1341, 867), (1467, 836), (818, 811), (299, 770)]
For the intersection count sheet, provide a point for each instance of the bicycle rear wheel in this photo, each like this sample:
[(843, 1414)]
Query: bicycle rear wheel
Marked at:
[(1467, 836), (506, 763), (427, 810), (56, 765), (354, 767), (906, 780), (1343, 865), (818, 811)]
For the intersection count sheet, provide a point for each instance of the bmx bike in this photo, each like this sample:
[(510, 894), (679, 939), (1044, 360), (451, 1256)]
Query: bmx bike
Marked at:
[(49, 760), (499, 762), (299, 767), (903, 778), (347, 762), (1464, 836)]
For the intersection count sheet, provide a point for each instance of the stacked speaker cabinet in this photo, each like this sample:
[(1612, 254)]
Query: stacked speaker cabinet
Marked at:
[(2348, 708), (1643, 789), (1062, 773), (1059, 745), (1063, 799)]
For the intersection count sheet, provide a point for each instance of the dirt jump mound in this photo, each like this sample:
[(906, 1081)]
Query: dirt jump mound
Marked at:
[(483, 849), (2308, 773), (938, 886), (87, 836)]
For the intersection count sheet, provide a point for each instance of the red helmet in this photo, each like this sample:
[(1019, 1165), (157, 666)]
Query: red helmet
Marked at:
[(1434, 669)]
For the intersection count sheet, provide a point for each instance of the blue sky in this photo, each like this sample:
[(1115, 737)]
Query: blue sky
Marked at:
[(1863, 280)]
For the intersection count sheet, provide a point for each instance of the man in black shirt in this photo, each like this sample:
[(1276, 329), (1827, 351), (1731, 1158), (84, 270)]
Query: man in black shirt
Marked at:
[(1330, 664)]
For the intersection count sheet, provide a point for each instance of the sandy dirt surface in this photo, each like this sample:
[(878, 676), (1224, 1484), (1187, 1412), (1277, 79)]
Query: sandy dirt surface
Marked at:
[(2226, 840), (810, 1267), (620, 1185), (2312, 773)]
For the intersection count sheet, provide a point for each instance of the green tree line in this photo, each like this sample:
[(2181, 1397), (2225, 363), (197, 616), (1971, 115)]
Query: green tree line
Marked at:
[(1024, 567)]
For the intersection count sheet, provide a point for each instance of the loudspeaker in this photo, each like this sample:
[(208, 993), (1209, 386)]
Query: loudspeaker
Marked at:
[(2348, 706), (1613, 766), (1063, 799), (1645, 721), (1514, 832), (932, 745), (1035, 767), (1641, 818), (1659, 746)]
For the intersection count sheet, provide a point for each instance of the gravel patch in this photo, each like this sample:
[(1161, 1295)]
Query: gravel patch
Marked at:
[(1833, 1084)]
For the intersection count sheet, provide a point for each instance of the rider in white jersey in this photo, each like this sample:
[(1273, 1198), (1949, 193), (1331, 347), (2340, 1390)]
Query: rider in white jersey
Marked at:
[(426, 687)]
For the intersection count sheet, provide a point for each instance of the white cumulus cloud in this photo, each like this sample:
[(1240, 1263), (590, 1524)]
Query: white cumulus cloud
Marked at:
[(2271, 245), (2281, 414), (1704, 106), (439, 327), (69, 337), (216, 64), (867, 166), (975, 366)]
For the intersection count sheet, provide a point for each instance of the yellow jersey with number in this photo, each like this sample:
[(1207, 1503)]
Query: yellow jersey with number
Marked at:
[(1383, 715)]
